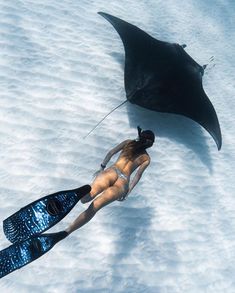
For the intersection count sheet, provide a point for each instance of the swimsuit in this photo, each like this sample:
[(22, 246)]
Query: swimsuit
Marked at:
[(126, 178), (120, 174)]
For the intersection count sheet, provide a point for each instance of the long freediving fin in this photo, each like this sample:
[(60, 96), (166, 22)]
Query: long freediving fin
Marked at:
[(42, 214), (22, 253)]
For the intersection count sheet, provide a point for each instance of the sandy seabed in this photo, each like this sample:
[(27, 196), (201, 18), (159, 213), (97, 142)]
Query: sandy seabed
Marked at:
[(61, 71)]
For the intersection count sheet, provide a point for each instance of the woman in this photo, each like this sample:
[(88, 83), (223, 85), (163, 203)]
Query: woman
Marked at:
[(114, 182)]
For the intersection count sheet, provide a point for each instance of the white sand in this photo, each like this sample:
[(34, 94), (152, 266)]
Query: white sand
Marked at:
[(61, 71)]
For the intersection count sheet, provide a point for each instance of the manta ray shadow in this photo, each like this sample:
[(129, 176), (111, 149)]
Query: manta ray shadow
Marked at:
[(180, 129), (119, 58)]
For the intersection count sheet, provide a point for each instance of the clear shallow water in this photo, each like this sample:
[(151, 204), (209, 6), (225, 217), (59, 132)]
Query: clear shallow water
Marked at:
[(61, 68)]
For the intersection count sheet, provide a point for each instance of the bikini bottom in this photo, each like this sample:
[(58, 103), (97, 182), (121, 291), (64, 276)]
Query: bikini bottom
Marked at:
[(120, 174), (87, 197)]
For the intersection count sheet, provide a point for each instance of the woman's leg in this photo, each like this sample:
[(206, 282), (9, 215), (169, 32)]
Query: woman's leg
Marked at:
[(100, 183), (82, 219), (109, 195)]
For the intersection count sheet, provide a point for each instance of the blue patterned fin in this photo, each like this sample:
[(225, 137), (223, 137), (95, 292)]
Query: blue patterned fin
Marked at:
[(42, 214), (22, 253)]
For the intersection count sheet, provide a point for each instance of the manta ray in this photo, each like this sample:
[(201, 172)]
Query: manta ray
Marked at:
[(161, 76)]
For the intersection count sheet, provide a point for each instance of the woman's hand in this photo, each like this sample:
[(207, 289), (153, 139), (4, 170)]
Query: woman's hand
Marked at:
[(124, 197)]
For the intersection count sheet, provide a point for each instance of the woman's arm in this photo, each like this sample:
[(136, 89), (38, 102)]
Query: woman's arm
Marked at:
[(113, 151), (138, 174)]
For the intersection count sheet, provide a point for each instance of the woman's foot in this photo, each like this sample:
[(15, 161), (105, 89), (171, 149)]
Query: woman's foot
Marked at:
[(86, 198)]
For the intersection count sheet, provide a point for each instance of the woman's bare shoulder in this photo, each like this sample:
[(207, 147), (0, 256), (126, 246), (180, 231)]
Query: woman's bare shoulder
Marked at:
[(127, 141), (124, 142), (119, 147)]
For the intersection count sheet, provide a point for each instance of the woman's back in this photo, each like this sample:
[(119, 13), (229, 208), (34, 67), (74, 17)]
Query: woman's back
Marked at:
[(131, 157)]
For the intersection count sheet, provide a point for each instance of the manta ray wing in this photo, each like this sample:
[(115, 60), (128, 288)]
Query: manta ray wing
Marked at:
[(162, 77)]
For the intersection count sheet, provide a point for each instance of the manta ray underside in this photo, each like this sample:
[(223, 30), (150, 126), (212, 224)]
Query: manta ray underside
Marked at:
[(162, 77)]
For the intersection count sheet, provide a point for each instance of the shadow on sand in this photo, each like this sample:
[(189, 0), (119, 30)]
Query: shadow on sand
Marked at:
[(178, 128)]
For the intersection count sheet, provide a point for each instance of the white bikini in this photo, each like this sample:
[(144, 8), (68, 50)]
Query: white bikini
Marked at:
[(120, 174)]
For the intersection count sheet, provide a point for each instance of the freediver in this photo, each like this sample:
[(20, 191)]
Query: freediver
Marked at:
[(114, 183)]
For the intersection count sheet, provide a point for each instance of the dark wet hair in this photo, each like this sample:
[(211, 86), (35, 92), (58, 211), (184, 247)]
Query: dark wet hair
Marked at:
[(146, 135), (138, 146)]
